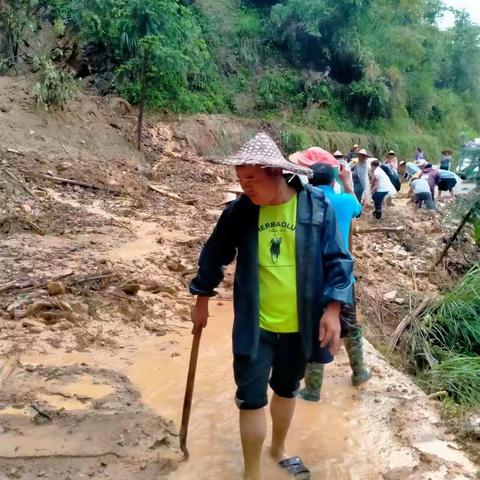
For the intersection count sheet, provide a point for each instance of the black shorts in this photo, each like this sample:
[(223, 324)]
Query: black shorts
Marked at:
[(446, 184), (280, 362)]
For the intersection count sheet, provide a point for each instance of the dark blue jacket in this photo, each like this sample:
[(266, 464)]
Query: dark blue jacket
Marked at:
[(324, 267)]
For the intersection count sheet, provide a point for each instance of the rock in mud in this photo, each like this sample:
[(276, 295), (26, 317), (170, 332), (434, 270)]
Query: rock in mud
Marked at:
[(31, 323), (390, 296), (56, 288), (131, 288), (159, 287), (473, 426)]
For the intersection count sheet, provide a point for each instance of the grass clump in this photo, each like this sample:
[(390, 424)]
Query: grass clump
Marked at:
[(445, 342), (54, 88)]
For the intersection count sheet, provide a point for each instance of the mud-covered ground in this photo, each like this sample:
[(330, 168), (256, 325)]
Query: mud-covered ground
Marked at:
[(93, 282)]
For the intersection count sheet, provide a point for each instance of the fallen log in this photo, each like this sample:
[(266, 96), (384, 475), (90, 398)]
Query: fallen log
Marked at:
[(360, 230), (69, 181), (426, 302)]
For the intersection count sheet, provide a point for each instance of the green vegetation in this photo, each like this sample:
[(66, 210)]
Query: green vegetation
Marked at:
[(371, 67), (445, 342), (54, 87)]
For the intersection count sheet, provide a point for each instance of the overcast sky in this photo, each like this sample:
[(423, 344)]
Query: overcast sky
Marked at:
[(471, 6)]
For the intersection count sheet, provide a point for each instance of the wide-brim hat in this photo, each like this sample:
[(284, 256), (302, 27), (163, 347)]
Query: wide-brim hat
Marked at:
[(363, 152), (356, 146), (234, 189), (312, 156), (447, 151), (261, 150), (228, 197), (391, 152), (338, 154)]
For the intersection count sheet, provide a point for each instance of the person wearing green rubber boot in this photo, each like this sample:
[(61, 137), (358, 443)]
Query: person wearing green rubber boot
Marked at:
[(346, 208)]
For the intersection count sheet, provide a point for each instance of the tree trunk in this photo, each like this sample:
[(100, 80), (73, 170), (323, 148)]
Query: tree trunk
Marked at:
[(140, 122)]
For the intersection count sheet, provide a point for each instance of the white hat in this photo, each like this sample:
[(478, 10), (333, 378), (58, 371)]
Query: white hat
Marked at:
[(338, 153), (229, 197), (234, 189), (421, 162), (262, 150), (363, 152), (391, 152)]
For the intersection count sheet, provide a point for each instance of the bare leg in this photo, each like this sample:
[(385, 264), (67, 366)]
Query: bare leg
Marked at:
[(281, 410), (253, 430)]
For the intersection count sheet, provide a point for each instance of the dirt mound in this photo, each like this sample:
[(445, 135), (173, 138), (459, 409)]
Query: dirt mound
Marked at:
[(79, 421)]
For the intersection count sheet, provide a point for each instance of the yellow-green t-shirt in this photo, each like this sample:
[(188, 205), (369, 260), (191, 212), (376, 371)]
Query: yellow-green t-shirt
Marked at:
[(277, 267)]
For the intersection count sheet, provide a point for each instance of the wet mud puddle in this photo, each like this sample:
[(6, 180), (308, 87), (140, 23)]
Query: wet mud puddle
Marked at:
[(322, 433), (350, 435)]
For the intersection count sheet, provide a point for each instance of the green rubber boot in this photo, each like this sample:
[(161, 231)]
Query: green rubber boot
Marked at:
[(313, 382), (354, 347)]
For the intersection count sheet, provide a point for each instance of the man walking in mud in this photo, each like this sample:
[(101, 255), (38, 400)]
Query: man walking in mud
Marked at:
[(292, 276)]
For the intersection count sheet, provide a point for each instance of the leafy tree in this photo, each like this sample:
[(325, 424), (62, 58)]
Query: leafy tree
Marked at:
[(163, 53), (15, 17)]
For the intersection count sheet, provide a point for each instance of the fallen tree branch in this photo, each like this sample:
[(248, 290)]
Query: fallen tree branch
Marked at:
[(60, 455), (161, 191), (8, 368), (16, 152), (360, 230), (28, 285), (95, 277), (69, 181), (16, 284), (35, 227), (20, 182), (426, 302), (453, 237), (437, 395)]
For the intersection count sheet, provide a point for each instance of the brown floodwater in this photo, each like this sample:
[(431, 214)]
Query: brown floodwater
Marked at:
[(321, 434), (343, 437)]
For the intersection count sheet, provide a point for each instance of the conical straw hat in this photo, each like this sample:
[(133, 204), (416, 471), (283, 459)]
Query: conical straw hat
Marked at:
[(262, 150), (227, 198)]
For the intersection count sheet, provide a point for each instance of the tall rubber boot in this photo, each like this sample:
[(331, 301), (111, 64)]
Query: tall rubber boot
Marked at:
[(354, 347), (313, 382)]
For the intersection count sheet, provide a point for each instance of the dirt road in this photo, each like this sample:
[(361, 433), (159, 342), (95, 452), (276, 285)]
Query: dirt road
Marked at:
[(92, 366)]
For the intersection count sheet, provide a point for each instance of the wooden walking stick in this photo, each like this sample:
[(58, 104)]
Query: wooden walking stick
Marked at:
[(187, 401)]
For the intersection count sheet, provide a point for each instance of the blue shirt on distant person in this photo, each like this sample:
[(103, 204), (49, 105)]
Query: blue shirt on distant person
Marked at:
[(346, 208)]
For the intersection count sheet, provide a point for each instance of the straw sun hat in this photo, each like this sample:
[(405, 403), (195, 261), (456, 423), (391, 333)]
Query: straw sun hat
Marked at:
[(262, 150)]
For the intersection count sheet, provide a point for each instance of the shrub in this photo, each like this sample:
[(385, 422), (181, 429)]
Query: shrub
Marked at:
[(295, 140), (54, 87), (445, 342)]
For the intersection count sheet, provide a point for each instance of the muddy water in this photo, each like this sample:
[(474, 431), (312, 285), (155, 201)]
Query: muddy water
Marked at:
[(322, 433), (329, 436), (349, 435)]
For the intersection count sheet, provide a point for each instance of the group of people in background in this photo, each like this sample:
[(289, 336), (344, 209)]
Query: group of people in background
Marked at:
[(427, 183), (378, 182)]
